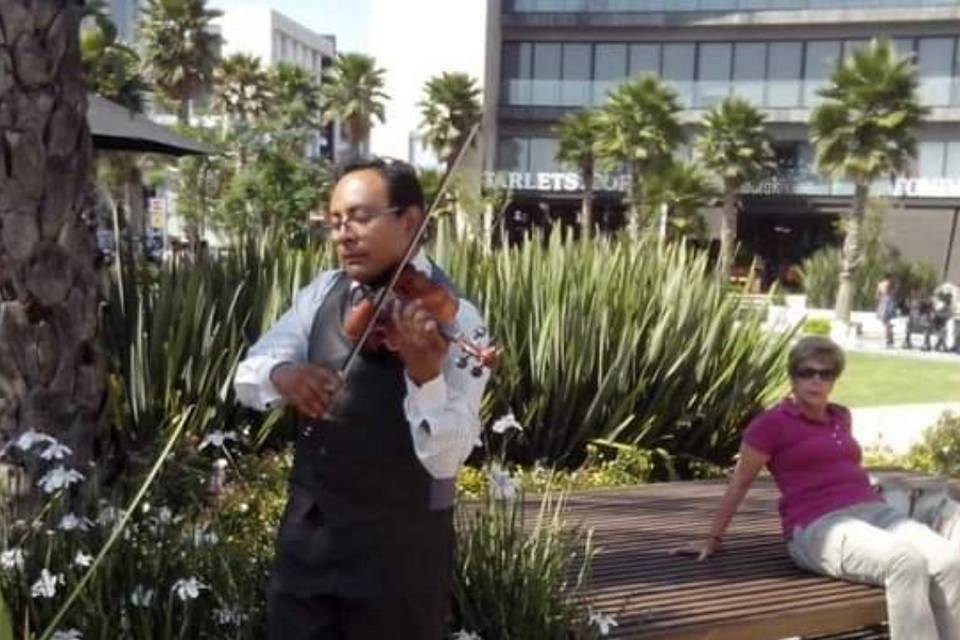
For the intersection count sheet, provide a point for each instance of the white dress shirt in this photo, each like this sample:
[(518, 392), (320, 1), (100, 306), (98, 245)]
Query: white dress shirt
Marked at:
[(444, 413)]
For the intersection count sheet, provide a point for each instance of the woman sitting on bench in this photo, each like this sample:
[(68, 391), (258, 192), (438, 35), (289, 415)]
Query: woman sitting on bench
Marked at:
[(833, 521)]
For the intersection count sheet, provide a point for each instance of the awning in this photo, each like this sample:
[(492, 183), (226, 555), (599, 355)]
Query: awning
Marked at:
[(116, 128)]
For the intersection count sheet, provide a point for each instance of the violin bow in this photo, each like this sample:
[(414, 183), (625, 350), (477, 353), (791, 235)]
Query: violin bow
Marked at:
[(412, 249)]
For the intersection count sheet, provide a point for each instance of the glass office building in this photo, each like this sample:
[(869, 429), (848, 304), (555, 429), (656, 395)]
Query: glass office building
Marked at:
[(557, 56)]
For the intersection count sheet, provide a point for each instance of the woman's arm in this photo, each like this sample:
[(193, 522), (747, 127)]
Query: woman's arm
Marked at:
[(748, 466)]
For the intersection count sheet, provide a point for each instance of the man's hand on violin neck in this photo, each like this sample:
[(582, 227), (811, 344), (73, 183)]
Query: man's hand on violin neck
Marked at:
[(418, 341), (309, 388)]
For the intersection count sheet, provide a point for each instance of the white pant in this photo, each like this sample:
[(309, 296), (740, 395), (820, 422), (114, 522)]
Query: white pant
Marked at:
[(874, 544)]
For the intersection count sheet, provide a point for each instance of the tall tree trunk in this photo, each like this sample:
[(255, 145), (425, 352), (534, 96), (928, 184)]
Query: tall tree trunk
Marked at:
[(851, 258), (586, 208), (183, 110), (636, 204), (357, 132), (728, 232), (487, 231), (51, 369), (134, 194), (136, 214)]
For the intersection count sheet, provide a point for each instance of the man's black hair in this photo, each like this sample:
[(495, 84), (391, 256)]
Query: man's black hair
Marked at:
[(403, 186)]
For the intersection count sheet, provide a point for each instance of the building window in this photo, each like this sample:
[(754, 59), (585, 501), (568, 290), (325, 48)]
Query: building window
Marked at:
[(952, 170), (543, 153), (678, 62), (609, 69), (517, 59), (546, 73), (903, 46), (783, 88), (575, 90), (512, 154), (930, 159), (714, 61), (955, 98), (852, 46), (776, 74), (644, 60), (820, 61), (935, 59), (646, 6), (749, 71)]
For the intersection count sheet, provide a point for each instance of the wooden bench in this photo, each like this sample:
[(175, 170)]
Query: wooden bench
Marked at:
[(752, 591)]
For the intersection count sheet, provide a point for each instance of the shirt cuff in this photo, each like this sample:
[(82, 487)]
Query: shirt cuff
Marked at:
[(253, 385), (429, 397)]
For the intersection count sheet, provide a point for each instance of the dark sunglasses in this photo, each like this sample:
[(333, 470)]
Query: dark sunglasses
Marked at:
[(806, 373)]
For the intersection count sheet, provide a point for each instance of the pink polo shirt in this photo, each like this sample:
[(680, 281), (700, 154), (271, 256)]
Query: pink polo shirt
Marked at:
[(816, 464)]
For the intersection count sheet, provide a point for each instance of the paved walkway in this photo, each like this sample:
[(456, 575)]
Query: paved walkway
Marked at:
[(896, 427), (877, 347)]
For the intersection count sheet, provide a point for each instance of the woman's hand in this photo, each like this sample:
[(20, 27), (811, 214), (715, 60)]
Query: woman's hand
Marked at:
[(703, 549)]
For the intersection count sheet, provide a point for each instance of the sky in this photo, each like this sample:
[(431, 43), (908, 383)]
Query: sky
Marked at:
[(346, 19), (383, 28)]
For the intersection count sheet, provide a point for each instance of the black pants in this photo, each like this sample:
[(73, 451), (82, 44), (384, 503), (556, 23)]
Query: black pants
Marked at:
[(384, 578)]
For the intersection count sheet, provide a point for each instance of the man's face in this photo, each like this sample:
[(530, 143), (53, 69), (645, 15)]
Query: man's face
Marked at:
[(369, 236)]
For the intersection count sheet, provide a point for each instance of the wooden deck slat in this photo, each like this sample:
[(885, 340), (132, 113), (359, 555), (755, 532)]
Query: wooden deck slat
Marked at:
[(750, 592)]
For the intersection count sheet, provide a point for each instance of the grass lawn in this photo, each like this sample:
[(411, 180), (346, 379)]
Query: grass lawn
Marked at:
[(872, 380)]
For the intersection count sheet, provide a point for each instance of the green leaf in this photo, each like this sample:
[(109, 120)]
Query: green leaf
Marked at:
[(6, 624)]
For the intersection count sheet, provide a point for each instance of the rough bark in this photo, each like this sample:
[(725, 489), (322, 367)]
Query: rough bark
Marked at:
[(851, 259), (133, 197), (51, 369), (357, 131), (728, 231), (586, 207), (635, 211), (183, 110)]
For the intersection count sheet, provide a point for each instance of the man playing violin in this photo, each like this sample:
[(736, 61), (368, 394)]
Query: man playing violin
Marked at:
[(365, 547)]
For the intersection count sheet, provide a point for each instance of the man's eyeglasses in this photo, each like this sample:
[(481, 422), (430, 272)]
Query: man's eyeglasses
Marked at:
[(356, 217), (807, 373)]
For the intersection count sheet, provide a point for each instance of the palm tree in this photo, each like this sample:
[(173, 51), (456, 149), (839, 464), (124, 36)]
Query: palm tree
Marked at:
[(450, 107), (865, 130), (681, 190), (52, 375), (296, 97), (242, 91), (735, 147), (577, 148), (353, 95), (111, 68), (639, 129), (180, 49)]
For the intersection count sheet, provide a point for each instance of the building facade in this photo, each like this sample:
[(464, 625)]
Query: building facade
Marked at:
[(550, 57)]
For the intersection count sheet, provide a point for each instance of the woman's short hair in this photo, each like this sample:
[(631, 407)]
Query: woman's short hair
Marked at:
[(815, 347)]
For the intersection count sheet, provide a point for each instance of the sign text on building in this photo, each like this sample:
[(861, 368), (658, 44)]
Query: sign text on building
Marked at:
[(552, 181)]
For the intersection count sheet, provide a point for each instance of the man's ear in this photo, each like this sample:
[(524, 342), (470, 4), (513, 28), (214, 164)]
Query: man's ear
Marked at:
[(411, 219)]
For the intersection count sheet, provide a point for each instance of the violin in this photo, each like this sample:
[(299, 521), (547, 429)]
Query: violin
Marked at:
[(438, 301), (368, 327)]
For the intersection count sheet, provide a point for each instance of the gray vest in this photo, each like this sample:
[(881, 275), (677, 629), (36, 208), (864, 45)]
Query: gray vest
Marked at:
[(360, 463)]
